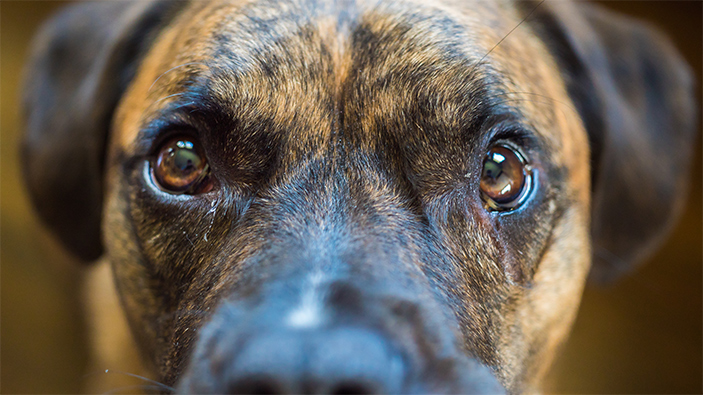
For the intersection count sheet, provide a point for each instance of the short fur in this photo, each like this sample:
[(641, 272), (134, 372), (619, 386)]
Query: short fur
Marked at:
[(347, 138)]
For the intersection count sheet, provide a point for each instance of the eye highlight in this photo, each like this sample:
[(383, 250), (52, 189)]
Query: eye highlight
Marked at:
[(506, 178), (180, 167)]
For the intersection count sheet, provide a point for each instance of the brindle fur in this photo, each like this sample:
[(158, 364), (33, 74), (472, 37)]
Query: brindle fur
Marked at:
[(354, 132)]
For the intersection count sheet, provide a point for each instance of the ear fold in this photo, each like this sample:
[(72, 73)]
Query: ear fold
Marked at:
[(80, 65), (636, 97)]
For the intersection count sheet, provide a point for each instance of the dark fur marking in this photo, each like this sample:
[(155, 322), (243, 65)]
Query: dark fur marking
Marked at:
[(351, 142)]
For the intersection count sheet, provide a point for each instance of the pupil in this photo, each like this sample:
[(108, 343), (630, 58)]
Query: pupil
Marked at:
[(492, 170), (179, 166), (185, 160)]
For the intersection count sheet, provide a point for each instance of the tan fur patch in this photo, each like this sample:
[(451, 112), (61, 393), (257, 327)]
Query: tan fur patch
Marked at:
[(321, 81)]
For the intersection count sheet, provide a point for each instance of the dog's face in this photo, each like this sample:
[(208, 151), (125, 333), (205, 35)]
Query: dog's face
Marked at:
[(353, 196)]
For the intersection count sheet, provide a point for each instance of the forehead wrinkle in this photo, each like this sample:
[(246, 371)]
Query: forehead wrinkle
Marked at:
[(431, 40), (288, 72), (173, 63), (230, 50), (231, 47), (533, 85), (181, 55), (403, 59)]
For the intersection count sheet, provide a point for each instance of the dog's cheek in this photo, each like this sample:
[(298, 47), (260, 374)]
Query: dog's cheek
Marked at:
[(545, 313), (156, 248), (131, 277), (546, 243), (473, 278), (554, 236)]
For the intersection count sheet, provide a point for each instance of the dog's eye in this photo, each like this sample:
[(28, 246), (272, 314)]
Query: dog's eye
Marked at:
[(181, 167), (506, 179)]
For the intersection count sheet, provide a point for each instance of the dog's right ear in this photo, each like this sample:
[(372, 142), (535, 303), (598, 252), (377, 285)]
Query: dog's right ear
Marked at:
[(80, 65), (635, 95)]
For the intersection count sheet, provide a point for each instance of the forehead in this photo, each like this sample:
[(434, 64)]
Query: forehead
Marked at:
[(302, 63)]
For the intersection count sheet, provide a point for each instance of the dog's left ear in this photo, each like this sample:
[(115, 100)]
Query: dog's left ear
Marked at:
[(81, 63), (636, 98)]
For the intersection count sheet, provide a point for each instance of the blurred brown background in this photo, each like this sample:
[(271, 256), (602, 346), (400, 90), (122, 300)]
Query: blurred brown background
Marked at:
[(641, 335)]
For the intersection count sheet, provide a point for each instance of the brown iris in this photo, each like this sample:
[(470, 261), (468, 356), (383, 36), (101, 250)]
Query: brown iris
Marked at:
[(504, 178), (181, 167)]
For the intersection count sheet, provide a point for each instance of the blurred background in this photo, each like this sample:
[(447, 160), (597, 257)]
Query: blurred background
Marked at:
[(640, 335)]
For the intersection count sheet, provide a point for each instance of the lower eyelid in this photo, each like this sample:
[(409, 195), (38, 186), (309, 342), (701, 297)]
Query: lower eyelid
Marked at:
[(149, 179)]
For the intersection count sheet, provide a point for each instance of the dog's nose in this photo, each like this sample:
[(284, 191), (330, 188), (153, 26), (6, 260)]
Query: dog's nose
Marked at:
[(337, 361), (338, 338)]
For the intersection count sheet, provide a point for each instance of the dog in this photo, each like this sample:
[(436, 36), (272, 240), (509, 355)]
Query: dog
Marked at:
[(354, 196)]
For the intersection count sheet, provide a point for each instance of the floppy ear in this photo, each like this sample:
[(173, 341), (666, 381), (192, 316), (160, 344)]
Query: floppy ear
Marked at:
[(81, 62), (636, 98)]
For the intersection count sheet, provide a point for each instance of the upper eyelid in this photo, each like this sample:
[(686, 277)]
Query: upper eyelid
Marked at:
[(162, 126), (510, 129), (191, 117), (194, 110), (513, 131)]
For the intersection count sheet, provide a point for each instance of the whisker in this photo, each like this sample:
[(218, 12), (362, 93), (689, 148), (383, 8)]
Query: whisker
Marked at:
[(148, 380), (511, 31), (166, 97), (527, 100), (610, 257), (188, 238), (538, 95), (185, 312), (173, 68), (131, 388)]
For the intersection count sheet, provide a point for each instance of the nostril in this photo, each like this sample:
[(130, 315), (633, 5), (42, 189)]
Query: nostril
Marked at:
[(406, 310), (341, 360), (351, 388), (255, 386), (345, 296)]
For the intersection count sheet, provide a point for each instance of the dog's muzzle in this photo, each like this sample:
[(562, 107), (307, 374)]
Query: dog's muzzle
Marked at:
[(326, 333), (332, 295)]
